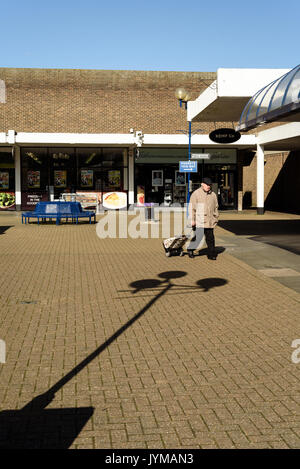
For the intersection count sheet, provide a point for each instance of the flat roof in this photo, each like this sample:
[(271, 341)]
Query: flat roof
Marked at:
[(224, 99)]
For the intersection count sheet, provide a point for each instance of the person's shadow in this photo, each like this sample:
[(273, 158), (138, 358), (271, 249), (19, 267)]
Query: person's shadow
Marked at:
[(35, 427)]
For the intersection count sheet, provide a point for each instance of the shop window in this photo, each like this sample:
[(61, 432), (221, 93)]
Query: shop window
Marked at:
[(89, 161), (62, 170), (7, 180), (34, 168), (112, 157)]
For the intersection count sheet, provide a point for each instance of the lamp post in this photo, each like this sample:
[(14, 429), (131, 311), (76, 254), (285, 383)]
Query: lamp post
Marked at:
[(183, 97)]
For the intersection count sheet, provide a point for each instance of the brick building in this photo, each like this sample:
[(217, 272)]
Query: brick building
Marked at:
[(100, 131)]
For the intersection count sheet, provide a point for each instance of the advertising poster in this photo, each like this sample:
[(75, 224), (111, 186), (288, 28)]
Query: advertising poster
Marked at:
[(114, 178), (33, 179), (29, 200), (140, 195), (180, 179), (60, 178), (4, 180), (115, 200), (7, 201), (157, 178), (86, 177), (89, 200)]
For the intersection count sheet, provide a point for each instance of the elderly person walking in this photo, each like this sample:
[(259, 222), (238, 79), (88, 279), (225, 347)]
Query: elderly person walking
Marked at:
[(203, 217)]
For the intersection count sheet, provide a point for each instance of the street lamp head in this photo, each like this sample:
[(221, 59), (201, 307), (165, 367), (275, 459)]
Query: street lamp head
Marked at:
[(180, 94), (188, 97)]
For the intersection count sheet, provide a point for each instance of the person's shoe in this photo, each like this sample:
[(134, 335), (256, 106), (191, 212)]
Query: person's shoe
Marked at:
[(191, 254), (212, 258)]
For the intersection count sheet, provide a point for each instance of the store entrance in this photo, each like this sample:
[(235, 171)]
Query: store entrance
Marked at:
[(224, 185), (226, 190)]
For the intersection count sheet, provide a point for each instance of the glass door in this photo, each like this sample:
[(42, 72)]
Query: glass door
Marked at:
[(226, 190)]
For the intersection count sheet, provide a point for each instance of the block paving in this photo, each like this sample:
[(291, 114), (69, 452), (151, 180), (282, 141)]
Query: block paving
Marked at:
[(130, 349)]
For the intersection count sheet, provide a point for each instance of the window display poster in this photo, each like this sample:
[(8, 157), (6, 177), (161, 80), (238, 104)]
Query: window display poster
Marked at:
[(7, 201), (157, 178), (4, 180), (140, 195), (114, 178), (29, 200), (60, 178), (89, 200), (86, 178), (34, 179), (180, 179)]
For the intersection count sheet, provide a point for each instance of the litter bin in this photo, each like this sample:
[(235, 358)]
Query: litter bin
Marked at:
[(149, 211)]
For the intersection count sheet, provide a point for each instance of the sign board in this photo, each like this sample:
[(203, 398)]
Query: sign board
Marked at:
[(224, 136), (200, 156), (188, 166)]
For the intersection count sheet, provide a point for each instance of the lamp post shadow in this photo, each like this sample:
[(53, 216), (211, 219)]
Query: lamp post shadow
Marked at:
[(36, 427)]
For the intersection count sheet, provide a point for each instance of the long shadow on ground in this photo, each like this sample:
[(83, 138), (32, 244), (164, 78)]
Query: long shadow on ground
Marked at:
[(35, 427)]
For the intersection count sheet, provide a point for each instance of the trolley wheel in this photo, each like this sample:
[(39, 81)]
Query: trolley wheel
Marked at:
[(181, 254), (168, 254)]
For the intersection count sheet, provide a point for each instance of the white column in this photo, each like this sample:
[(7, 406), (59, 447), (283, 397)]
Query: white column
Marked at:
[(260, 179), (131, 176), (17, 157)]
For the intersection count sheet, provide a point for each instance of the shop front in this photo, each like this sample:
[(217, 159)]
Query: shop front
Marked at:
[(52, 173), (158, 180), (7, 180)]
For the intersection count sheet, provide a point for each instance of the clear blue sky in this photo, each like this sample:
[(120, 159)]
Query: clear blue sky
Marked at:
[(193, 35)]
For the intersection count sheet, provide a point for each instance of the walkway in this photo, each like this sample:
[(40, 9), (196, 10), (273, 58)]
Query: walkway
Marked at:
[(110, 344)]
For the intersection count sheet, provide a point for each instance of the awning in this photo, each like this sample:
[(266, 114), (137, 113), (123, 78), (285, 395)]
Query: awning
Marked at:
[(279, 100)]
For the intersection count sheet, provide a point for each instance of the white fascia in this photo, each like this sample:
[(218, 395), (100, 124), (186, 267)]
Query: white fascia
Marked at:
[(279, 133), (175, 140), (3, 137), (199, 140), (74, 139)]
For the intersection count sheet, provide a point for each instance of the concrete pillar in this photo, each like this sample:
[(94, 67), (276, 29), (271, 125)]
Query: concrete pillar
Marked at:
[(17, 157), (131, 176), (260, 179)]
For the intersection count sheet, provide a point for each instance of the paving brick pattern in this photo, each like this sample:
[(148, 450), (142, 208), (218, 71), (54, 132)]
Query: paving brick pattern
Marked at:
[(188, 353)]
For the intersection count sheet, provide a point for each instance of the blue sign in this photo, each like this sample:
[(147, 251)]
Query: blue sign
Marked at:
[(188, 166)]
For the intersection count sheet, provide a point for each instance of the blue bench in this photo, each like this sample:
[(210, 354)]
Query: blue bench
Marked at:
[(58, 210)]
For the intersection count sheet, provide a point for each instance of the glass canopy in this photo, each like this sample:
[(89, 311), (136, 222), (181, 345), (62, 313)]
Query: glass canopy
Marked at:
[(277, 99)]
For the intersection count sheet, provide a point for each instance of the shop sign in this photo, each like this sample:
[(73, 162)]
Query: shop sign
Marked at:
[(188, 166), (200, 156), (224, 135)]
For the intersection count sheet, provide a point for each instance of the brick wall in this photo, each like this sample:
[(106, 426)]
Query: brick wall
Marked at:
[(97, 101), (282, 182)]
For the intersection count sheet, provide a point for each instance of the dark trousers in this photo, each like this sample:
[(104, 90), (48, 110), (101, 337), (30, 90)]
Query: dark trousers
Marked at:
[(209, 238)]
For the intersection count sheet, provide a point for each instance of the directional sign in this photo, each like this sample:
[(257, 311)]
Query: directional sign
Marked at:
[(200, 156), (188, 166)]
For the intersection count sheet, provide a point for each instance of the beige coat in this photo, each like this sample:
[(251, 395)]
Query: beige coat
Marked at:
[(203, 209)]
